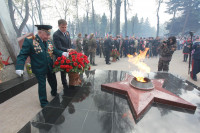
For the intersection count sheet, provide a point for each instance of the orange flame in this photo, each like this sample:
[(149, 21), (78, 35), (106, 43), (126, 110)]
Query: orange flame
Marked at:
[(137, 60)]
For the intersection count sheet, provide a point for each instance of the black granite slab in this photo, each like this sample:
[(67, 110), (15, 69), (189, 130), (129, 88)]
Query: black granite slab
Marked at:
[(15, 86), (91, 109)]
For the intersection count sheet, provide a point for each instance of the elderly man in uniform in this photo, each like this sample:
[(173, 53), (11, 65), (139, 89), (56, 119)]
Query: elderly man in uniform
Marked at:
[(41, 51)]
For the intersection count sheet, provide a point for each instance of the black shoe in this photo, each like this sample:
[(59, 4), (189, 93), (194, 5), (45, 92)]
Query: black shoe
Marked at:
[(195, 79), (94, 64), (108, 63), (65, 87), (43, 105), (55, 94)]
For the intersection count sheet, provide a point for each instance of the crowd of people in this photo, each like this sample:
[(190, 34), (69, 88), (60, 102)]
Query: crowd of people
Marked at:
[(158, 47)]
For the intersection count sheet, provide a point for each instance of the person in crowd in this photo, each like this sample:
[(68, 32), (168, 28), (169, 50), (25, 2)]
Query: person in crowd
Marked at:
[(92, 46), (101, 47), (116, 45), (62, 41), (155, 46), (108, 47), (126, 46), (186, 52), (98, 46), (166, 51), (41, 51), (195, 60), (85, 45), (79, 43), (131, 44)]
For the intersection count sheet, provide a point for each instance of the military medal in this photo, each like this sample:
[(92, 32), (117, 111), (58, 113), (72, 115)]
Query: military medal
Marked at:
[(50, 50), (37, 47)]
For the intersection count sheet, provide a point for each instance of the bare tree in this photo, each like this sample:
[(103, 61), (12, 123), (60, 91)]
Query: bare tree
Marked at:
[(20, 14), (64, 7), (39, 10), (174, 15), (87, 9), (77, 16), (125, 15), (117, 14), (93, 16), (12, 16), (158, 17), (32, 16), (110, 6)]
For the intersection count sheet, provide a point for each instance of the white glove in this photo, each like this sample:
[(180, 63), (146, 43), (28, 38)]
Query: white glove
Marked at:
[(66, 54), (19, 72)]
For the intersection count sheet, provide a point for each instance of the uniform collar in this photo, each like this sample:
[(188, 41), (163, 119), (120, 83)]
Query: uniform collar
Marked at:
[(38, 39)]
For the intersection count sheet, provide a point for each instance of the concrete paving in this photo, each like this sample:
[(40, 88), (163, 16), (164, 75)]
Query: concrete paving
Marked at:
[(17, 111)]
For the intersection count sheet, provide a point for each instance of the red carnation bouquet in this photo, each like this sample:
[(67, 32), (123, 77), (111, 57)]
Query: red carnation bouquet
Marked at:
[(76, 62)]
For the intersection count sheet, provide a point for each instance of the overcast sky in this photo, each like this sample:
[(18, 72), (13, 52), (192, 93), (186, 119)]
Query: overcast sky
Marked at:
[(144, 8)]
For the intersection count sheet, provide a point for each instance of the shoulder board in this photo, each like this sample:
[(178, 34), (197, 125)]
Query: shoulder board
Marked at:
[(49, 40), (31, 37)]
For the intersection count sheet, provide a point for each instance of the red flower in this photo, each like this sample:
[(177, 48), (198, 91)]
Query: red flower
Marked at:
[(79, 66), (67, 66), (85, 56), (62, 62), (63, 57), (59, 58), (62, 66), (56, 63), (73, 59), (75, 64), (89, 68), (71, 63), (68, 61), (71, 67)]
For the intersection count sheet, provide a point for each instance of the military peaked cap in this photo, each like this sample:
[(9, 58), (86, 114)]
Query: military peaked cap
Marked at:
[(46, 28)]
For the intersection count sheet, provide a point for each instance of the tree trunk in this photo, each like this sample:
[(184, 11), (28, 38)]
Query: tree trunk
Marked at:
[(93, 17), (111, 10), (87, 23), (185, 23), (125, 15), (174, 15), (32, 17), (117, 14), (133, 26), (77, 18), (158, 22), (25, 18), (38, 7)]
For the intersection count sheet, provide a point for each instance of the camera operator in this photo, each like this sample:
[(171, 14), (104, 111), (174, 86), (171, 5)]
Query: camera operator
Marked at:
[(166, 49)]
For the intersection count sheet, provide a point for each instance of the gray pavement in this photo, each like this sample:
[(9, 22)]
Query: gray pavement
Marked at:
[(17, 111)]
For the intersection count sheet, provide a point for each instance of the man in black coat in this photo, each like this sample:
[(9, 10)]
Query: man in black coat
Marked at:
[(126, 46), (108, 47), (62, 41)]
